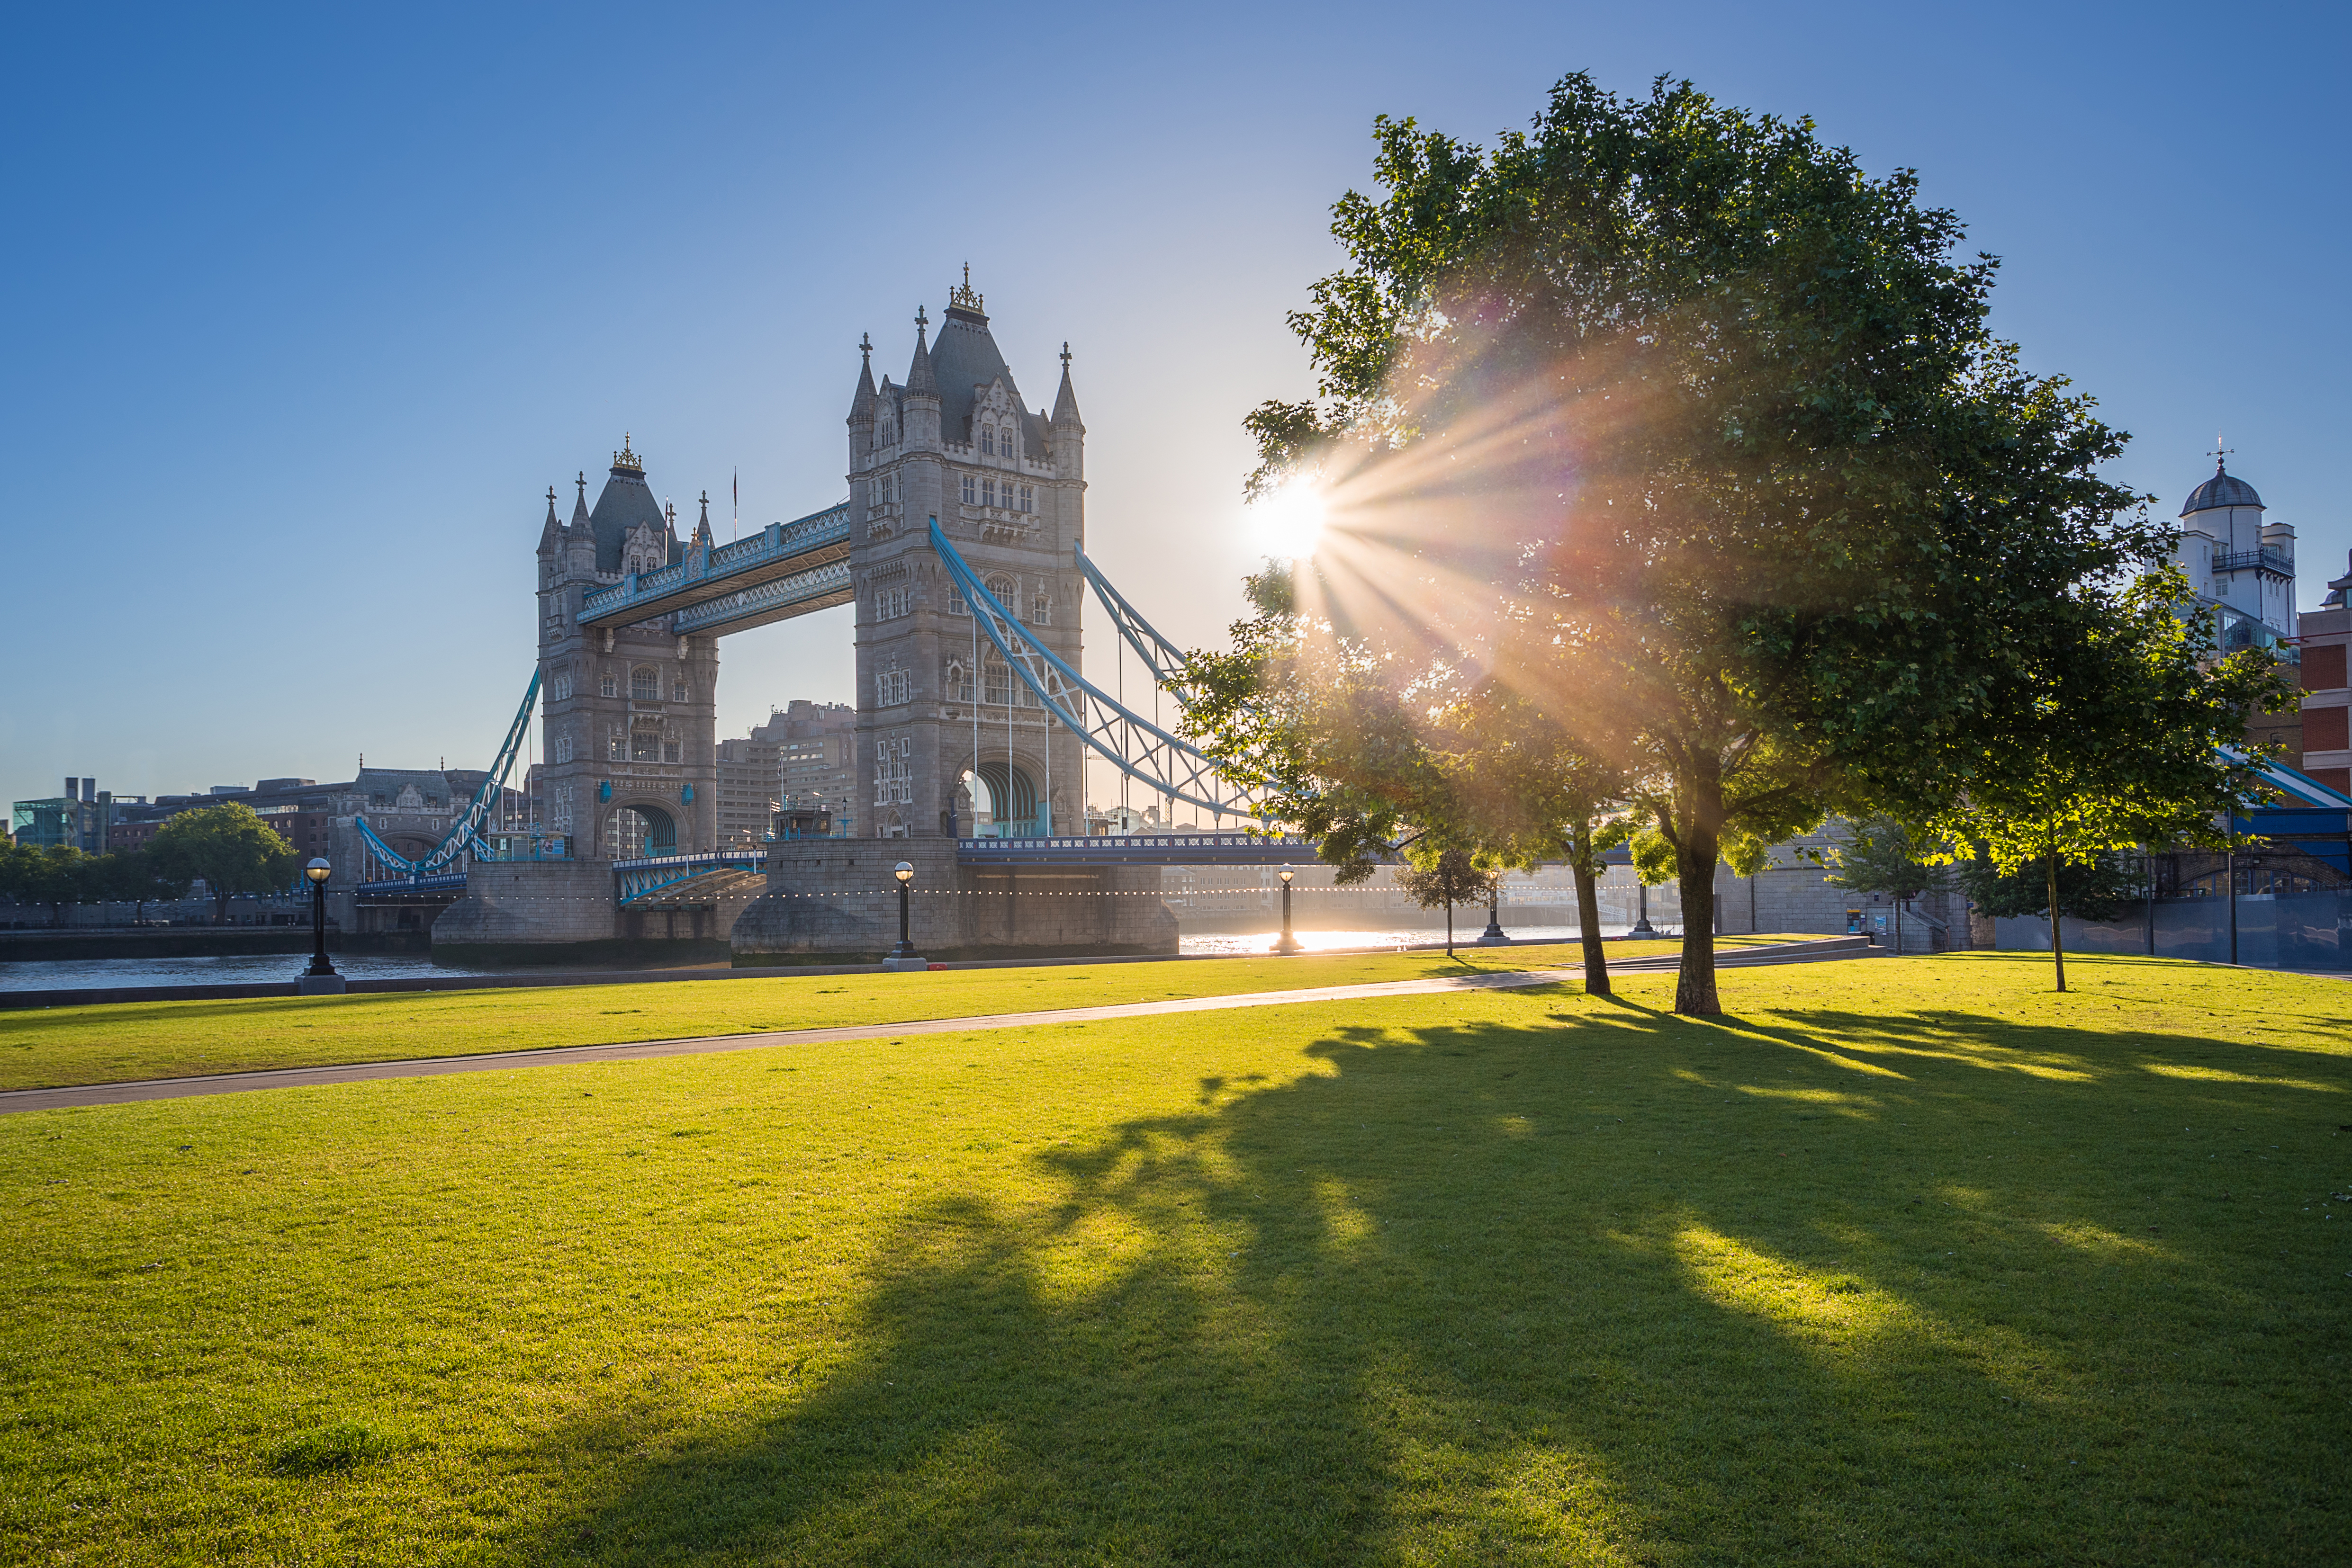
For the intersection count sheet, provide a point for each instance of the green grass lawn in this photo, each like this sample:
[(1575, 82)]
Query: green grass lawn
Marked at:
[(1900, 1261), (170, 1039)]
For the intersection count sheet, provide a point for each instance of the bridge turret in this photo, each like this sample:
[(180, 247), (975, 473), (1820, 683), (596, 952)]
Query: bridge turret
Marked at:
[(861, 407), (550, 537), (1069, 431), (922, 394)]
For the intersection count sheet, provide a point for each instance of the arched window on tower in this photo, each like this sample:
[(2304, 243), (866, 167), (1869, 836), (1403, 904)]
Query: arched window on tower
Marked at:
[(1007, 593), (988, 440), (645, 684)]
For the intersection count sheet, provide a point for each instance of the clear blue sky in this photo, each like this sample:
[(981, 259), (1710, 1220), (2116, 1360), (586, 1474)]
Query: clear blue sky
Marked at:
[(305, 309)]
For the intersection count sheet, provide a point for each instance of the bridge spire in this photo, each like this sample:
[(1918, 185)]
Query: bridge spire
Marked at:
[(1065, 401), (579, 506), (861, 401), (920, 380)]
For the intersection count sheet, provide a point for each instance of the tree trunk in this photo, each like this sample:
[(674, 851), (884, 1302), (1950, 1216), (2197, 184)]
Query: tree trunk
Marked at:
[(1695, 860), (2057, 937), (1588, 927)]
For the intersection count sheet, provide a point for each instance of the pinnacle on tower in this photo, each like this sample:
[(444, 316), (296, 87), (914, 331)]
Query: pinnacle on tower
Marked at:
[(861, 404), (1065, 401), (579, 506), (920, 381)]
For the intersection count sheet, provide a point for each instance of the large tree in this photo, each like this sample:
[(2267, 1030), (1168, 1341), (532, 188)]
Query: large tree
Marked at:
[(230, 847), (1681, 394)]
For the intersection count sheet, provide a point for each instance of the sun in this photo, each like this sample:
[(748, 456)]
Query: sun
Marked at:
[(1289, 523)]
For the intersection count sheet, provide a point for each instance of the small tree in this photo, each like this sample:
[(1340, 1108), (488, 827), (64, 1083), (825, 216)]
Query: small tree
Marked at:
[(1879, 858), (55, 874), (2096, 889), (1448, 875), (2115, 744), (227, 845), (134, 877)]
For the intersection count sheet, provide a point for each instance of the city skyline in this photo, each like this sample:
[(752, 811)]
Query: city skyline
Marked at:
[(321, 308)]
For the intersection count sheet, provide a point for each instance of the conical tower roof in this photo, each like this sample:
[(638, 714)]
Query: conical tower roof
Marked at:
[(1065, 400), (921, 381), (861, 402), (625, 502), (967, 359)]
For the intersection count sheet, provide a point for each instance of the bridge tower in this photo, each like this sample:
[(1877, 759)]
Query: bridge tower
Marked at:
[(1007, 483), (631, 758)]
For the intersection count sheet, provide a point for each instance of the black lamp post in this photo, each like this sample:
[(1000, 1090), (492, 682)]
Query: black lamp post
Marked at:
[(904, 954), (1642, 927), (1288, 944), (1493, 935), (320, 976)]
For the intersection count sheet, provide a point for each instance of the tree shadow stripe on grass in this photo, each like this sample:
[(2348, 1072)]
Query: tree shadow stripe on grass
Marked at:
[(1350, 1318)]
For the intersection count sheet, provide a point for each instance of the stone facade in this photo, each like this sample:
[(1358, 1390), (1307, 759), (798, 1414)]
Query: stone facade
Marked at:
[(836, 900), (564, 912), (1007, 483), (944, 728), (630, 713)]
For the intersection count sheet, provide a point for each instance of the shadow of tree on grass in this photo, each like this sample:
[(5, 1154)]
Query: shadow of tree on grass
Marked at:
[(1636, 1288)]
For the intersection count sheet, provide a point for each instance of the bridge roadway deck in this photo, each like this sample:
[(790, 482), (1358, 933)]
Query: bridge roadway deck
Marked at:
[(148, 1089)]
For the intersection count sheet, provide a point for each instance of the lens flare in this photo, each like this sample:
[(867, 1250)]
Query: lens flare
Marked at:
[(1288, 524)]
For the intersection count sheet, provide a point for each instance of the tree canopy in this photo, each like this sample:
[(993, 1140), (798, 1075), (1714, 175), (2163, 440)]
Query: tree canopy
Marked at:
[(1673, 414), (230, 847)]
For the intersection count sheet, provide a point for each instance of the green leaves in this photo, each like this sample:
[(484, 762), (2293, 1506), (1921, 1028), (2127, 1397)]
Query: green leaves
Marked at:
[(229, 846)]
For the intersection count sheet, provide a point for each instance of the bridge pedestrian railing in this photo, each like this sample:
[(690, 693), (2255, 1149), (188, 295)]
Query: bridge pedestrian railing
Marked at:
[(408, 889), (786, 566), (1141, 849)]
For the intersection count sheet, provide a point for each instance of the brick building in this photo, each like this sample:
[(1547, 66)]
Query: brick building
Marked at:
[(2326, 747)]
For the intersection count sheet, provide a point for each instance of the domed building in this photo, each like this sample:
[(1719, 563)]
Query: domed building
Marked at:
[(2238, 561)]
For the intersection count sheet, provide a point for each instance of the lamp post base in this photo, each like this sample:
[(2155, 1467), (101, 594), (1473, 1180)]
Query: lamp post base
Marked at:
[(1492, 936), (321, 985), (1287, 942), (906, 964)]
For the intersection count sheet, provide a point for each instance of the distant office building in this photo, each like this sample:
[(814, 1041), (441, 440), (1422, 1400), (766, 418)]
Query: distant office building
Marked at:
[(78, 819), (749, 786), (816, 761)]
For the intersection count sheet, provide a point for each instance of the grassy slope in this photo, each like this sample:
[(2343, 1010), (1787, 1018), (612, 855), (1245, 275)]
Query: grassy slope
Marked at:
[(1901, 1262), (166, 1039)]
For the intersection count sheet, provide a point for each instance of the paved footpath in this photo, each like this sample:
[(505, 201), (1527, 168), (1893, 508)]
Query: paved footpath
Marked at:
[(635, 1051)]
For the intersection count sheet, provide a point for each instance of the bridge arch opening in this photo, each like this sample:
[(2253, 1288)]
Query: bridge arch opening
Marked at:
[(1010, 798), (639, 832)]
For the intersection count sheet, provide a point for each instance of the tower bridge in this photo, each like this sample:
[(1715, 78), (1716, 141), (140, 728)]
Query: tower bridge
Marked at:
[(963, 545)]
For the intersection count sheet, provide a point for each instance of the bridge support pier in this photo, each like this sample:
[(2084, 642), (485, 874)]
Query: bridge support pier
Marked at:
[(564, 912), (834, 901)]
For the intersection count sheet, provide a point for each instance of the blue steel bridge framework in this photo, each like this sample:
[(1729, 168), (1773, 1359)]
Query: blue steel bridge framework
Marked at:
[(794, 569)]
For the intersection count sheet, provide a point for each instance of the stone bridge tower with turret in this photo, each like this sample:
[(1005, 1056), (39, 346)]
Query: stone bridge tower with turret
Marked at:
[(630, 764), (936, 705)]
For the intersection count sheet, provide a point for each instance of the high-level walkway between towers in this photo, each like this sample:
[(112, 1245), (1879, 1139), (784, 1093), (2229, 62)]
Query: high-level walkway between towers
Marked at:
[(140, 1089)]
